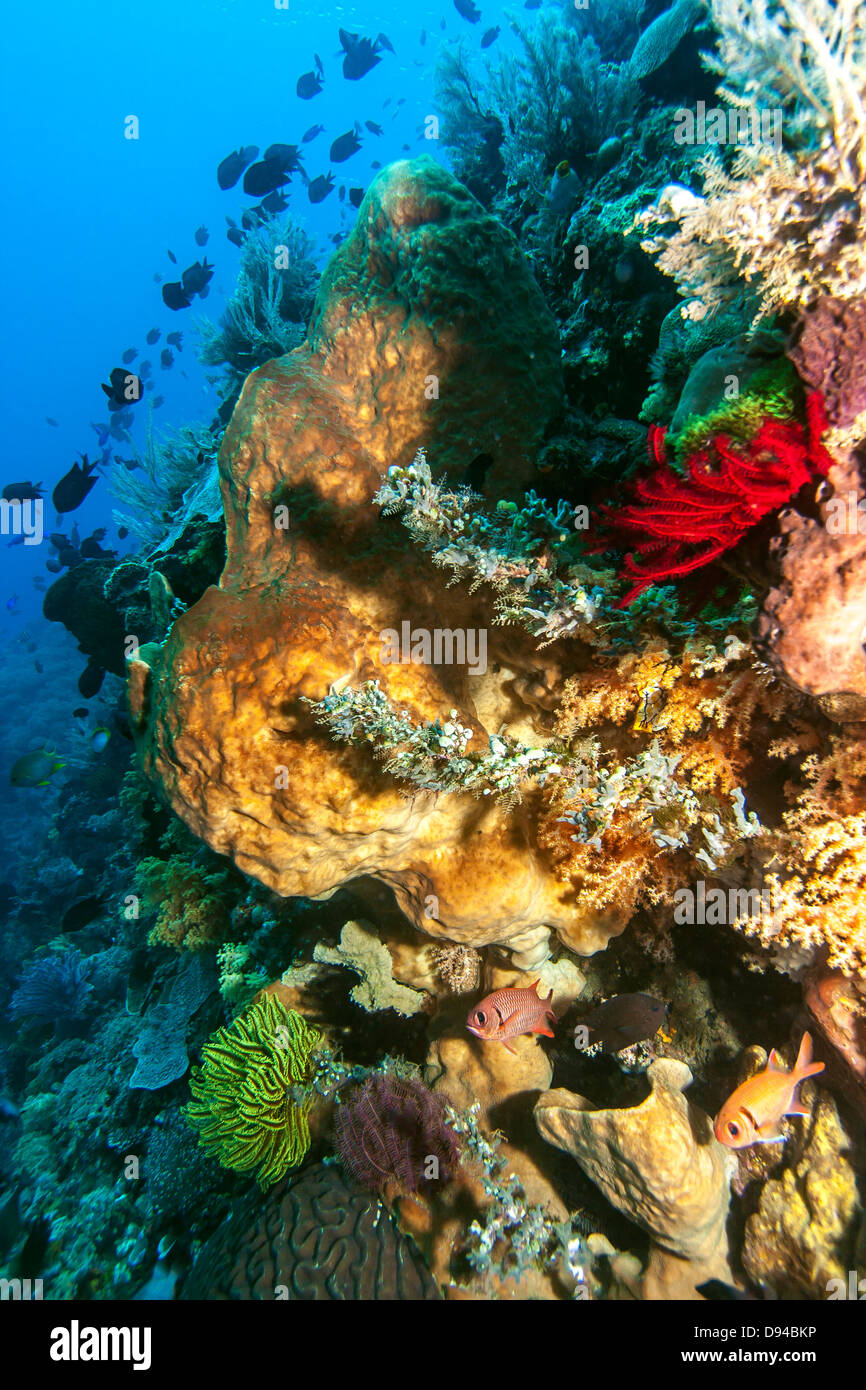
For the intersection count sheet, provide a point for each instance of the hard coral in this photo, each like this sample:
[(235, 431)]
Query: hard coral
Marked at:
[(685, 523), (392, 1132), (250, 1097)]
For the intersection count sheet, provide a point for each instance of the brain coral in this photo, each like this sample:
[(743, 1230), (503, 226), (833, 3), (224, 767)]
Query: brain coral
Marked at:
[(317, 1237), (428, 330)]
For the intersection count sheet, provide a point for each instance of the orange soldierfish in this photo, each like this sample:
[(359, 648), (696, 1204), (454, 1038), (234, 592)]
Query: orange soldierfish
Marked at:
[(506, 1013), (753, 1114)]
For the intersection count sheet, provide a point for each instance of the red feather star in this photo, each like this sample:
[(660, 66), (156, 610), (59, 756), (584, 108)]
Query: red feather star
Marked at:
[(687, 522)]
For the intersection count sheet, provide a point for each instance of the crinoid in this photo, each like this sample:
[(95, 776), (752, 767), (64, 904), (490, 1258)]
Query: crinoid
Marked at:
[(684, 523), (393, 1130)]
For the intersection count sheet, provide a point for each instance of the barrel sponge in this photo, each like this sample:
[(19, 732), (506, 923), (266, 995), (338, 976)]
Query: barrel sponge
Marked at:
[(250, 1097)]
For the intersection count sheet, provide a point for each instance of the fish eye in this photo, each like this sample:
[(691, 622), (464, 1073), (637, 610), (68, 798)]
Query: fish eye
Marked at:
[(480, 1017), (733, 1129)]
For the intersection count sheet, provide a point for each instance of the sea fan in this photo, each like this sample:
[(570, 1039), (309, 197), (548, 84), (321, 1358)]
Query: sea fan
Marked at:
[(394, 1131), (52, 987)]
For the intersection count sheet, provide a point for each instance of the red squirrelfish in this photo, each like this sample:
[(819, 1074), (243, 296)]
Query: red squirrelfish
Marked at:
[(506, 1013), (753, 1114)]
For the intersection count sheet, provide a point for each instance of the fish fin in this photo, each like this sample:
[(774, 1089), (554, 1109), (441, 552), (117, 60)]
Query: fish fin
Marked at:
[(773, 1063), (507, 1047), (535, 984), (769, 1139), (804, 1056), (799, 1110), (549, 997), (545, 1033)]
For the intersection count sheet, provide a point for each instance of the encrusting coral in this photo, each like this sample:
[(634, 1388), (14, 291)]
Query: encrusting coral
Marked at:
[(251, 1095)]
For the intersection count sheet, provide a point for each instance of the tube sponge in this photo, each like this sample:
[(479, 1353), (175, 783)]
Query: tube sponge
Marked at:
[(250, 1098)]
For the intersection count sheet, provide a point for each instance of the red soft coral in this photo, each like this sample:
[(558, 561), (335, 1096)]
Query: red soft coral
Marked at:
[(686, 522)]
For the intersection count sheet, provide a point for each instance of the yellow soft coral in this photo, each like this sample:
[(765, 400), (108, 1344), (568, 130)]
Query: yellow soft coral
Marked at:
[(192, 911)]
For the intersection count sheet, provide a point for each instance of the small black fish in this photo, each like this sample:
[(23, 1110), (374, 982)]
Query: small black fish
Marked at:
[(467, 10), (308, 86), (92, 550), (234, 164), (144, 370), (356, 197), (74, 486), (90, 680), (158, 401), (361, 55), (344, 147), (129, 356), (373, 128), (80, 713), (49, 420), (197, 276), (341, 193), (174, 295), (275, 202), (152, 336), (320, 187), (264, 177), (125, 388), (623, 1020), (490, 37), (235, 236), (252, 218), (376, 164), (122, 533), (201, 235), (22, 492), (166, 358), (172, 257), (312, 133), (175, 339), (285, 155)]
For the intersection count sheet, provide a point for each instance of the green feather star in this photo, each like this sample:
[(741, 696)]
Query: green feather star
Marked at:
[(251, 1098)]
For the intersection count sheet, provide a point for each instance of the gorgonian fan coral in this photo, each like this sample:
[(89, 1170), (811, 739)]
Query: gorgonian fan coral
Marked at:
[(677, 525), (393, 1131), (52, 987)]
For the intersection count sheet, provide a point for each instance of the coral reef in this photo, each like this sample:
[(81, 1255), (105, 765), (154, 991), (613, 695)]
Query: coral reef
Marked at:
[(828, 352), (250, 1097), (314, 1237), (660, 1163)]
